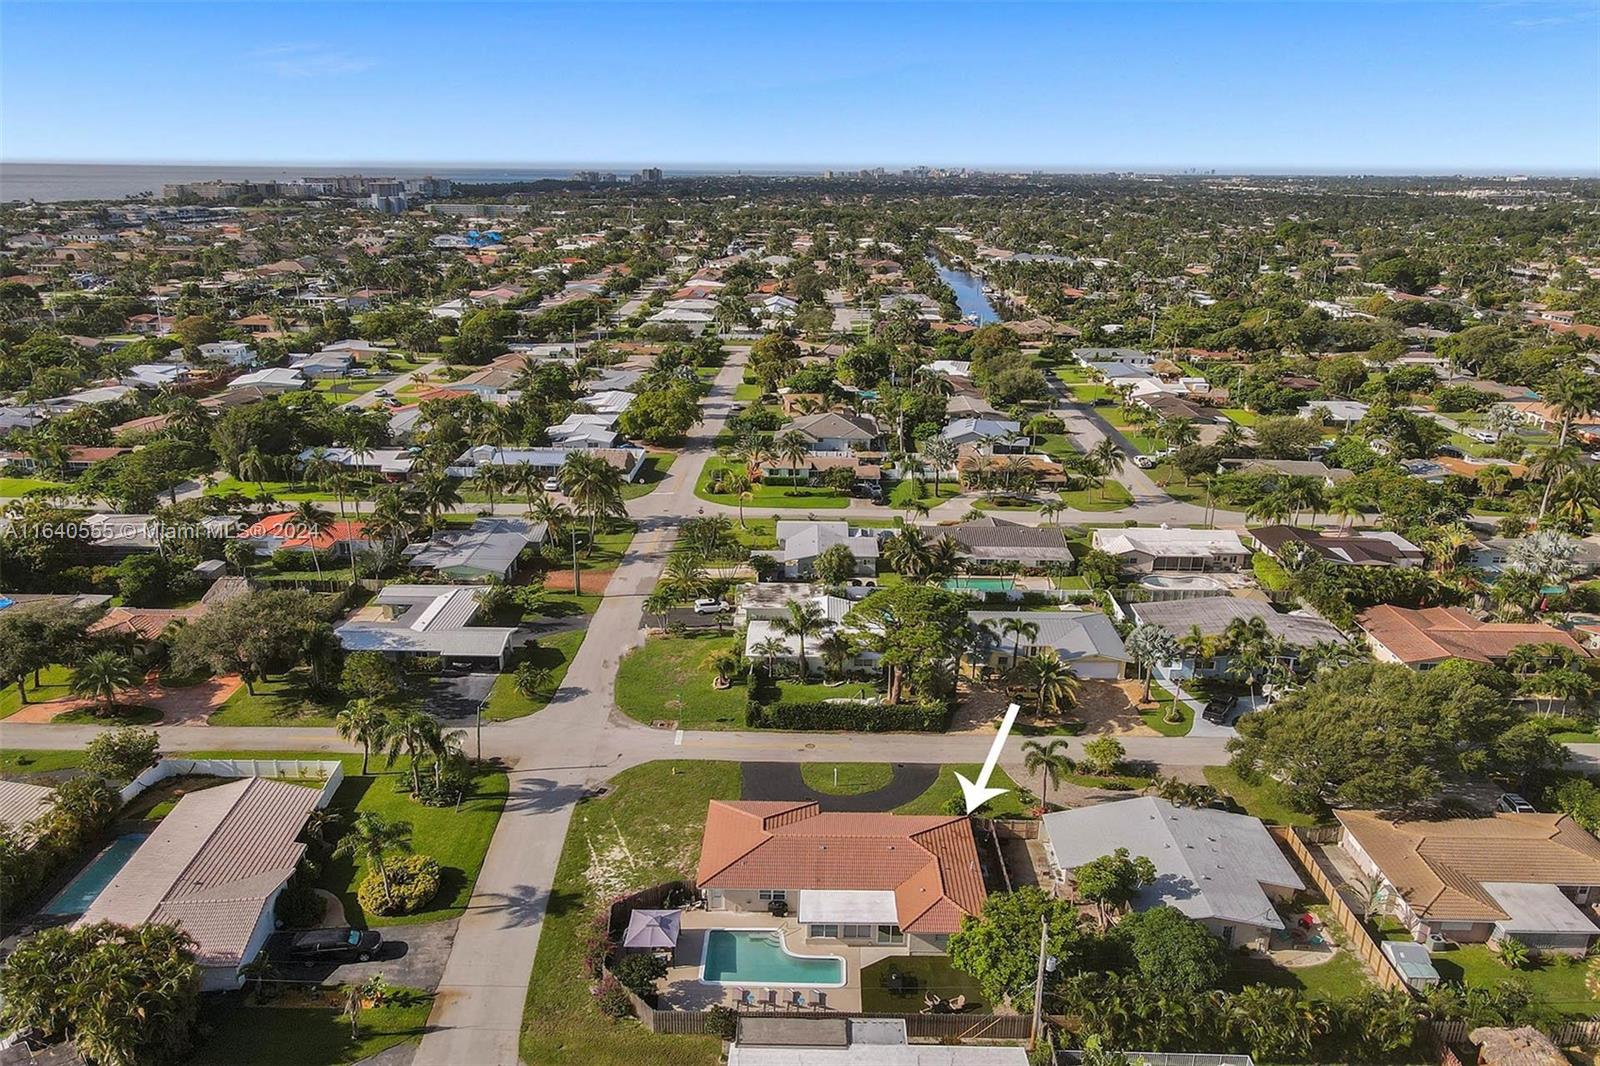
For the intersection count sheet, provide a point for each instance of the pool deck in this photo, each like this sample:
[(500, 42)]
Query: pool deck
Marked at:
[(685, 992)]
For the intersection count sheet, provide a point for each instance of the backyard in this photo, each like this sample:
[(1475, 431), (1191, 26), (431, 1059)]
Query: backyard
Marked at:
[(1264, 799), (915, 976), (644, 831)]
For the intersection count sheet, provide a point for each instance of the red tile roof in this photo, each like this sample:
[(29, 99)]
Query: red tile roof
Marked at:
[(930, 862), (288, 528), (1434, 633)]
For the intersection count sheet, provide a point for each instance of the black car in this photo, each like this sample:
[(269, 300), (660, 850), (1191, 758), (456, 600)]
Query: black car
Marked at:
[(331, 945), (1217, 711)]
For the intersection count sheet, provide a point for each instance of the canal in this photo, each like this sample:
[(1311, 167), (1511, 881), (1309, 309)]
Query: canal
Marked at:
[(969, 294)]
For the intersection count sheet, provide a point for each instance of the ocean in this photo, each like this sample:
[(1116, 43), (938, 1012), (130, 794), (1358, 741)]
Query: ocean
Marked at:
[(49, 182)]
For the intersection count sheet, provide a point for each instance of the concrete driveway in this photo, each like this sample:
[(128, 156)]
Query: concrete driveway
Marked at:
[(459, 697), (411, 955)]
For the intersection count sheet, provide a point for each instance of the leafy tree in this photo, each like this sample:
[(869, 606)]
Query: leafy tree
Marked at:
[(835, 565), (1000, 948), (1113, 880), (373, 838), (370, 676), (121, 753), (1172, 951), (253, 636), (1103, 755), (917, 630), (1286, 438)]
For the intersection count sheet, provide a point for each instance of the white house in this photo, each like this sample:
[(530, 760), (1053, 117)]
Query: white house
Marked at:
[(234, 353)]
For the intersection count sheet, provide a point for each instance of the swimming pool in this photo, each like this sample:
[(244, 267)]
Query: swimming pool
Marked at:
[(980, 584), (92, 879), (760, 957)]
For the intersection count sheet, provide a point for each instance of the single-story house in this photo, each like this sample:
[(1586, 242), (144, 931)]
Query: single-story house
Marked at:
[(122, 534), (1341, 547), (274, 379), (831, 431), (995, 540), (427, 620), (489, 549), (1422, 639), (799, 544), (1085, 640), (1093, 357), (1149, 549), (392, 463), (1212, 615), (22, 802), (155, 375), (890, 880), (775, 1040), (1223, 870), (1329, 476), (285, 532), (1344, 413), (997, 435), (325, 364), (545, 461), (1472, 880), (215, 866)]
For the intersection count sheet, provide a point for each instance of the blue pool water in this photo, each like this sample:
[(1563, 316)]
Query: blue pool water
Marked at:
[(92, 879), (758, 957)]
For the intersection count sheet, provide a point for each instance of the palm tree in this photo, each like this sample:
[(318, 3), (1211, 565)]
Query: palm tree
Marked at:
[(489, 479), (1246, 642), (907, 552), (391, 518), (1108, 459), (736, 483), (1551, 465), (595, 488), (806, 618), (255, 466), (365, 722), (313, 522), (793, 448), (103, 675), (769, 648), (837, 650), (1053, 681), (1049, 760), (373, 838), (436, 495), (1018, 629), (412, 731)]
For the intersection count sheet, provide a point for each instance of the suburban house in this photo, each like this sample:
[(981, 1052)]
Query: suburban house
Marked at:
[(889, 880), (1341, 547), (830, 431), (998, 436), (1343, 413), (995, 541), (215, 866), (234, 353), (1093, 358), (76, 460), (546, 462), (799, 544), (1212, 615), (1151, 549), (1422, 639), (1085, 640), (392, 463), (763, 618), (21, 803), (1491, 555), (285, 532), (431, 620), (1472, 880), (775, 1040), (272, 380), (1273, 469), (489, 549), (325, 364), (142, 625), (1223, 870), (585, 430)]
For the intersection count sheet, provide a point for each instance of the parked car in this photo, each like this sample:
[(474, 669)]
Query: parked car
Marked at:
[(552, 484), (382, 392), (1512, 803), (1145, 462), (1217, 711), (336, 944), (1482, 436), (709, 605)]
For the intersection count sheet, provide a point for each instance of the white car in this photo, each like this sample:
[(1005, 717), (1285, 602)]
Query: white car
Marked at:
[(1146, 462), (382, 392), (709, 605), (552, 484), (1512, 803), (1482, 436)]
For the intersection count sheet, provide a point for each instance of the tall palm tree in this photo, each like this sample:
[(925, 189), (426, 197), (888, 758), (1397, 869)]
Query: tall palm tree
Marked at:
[(1108, 459), (939, 455), (254, 465), (595, 488), (793, 448), (806, 618), (412, 731), (103, 675), (436, 495), (1052, 679), (313, 522), (1018, 629), (1049, 760), (907, 552), (769, 648), (1550, 465), (836, 649), (364, 722), (373, 838)]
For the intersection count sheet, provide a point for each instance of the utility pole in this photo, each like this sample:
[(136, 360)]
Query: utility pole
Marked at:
[(1038, 984), (576, 579)]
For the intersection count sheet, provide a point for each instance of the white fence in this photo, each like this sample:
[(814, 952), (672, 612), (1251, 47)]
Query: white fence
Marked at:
[(329, 771)]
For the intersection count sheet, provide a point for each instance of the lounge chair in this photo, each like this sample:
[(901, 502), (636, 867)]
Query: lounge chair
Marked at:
[(746, 998), (769, 999), (956, 1003), (819, 1001), (931, 1002), (796, 999)]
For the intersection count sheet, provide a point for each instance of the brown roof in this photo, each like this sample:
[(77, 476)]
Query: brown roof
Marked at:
[(1526, 1046), (930, 862), (1439, 867), (1434, 633)]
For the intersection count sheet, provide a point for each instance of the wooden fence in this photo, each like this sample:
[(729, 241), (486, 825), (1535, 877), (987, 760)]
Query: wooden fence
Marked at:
[(1565, 1034), (1361, 941)]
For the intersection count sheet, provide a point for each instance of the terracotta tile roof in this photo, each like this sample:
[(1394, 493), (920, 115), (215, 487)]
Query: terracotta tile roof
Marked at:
[(1434, 633), (1440, 867), (287, 527), (930, 862)]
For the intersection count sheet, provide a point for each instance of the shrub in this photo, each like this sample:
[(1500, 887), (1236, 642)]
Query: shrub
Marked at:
[(640, 971), (121, 753), (413, 882), (611, 997), (722, 1022), (928, 716), (596, 944), (299, 906)]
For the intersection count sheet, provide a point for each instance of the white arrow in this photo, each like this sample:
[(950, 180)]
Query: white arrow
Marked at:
[(978, 794)]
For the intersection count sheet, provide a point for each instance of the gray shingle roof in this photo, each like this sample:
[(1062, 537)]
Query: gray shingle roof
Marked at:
[(1073, 634), (1213, 613)]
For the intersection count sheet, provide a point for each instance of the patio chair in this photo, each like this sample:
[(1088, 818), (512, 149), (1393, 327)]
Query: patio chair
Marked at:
[(769, 999), (796, 999), (746, 998), (819, 1001), (956, 1003)]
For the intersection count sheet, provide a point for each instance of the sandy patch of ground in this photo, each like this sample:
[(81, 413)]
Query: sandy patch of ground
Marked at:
[(594, 581), (191, 705), (1112, 707)]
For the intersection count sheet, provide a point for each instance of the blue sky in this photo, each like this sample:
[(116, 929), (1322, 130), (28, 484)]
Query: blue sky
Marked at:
[(1433, 86)]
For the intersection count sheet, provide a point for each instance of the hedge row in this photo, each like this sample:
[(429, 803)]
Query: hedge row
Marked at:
[(923, 717)]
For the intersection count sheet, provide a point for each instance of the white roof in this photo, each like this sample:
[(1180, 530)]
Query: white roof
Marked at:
[(432, 619), (824, 905), (272, 375), (1209, 864), (1537, 909), (1160, 540), (878, 1055)]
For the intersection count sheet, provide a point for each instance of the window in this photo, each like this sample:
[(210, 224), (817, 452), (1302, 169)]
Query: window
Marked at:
[(829, 932), (890, 934), (767, 895), (856, 932)]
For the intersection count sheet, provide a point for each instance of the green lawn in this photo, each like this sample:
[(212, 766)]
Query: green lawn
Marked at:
[(54, 683), (346, 386), (667, 678), (644, 831), (1265, 799), (285, 700), (1155, 718), (1170, 480), (846, 778), (653, 473), (1109, 495), (946, 791), (239, 1032), (1558, 977), (920, 974), (1087, 392), (21, 764), (769, 495), (746, 392), (21, 486), (287, 491), (1339, 978), (554, 653), (1241, 416)]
